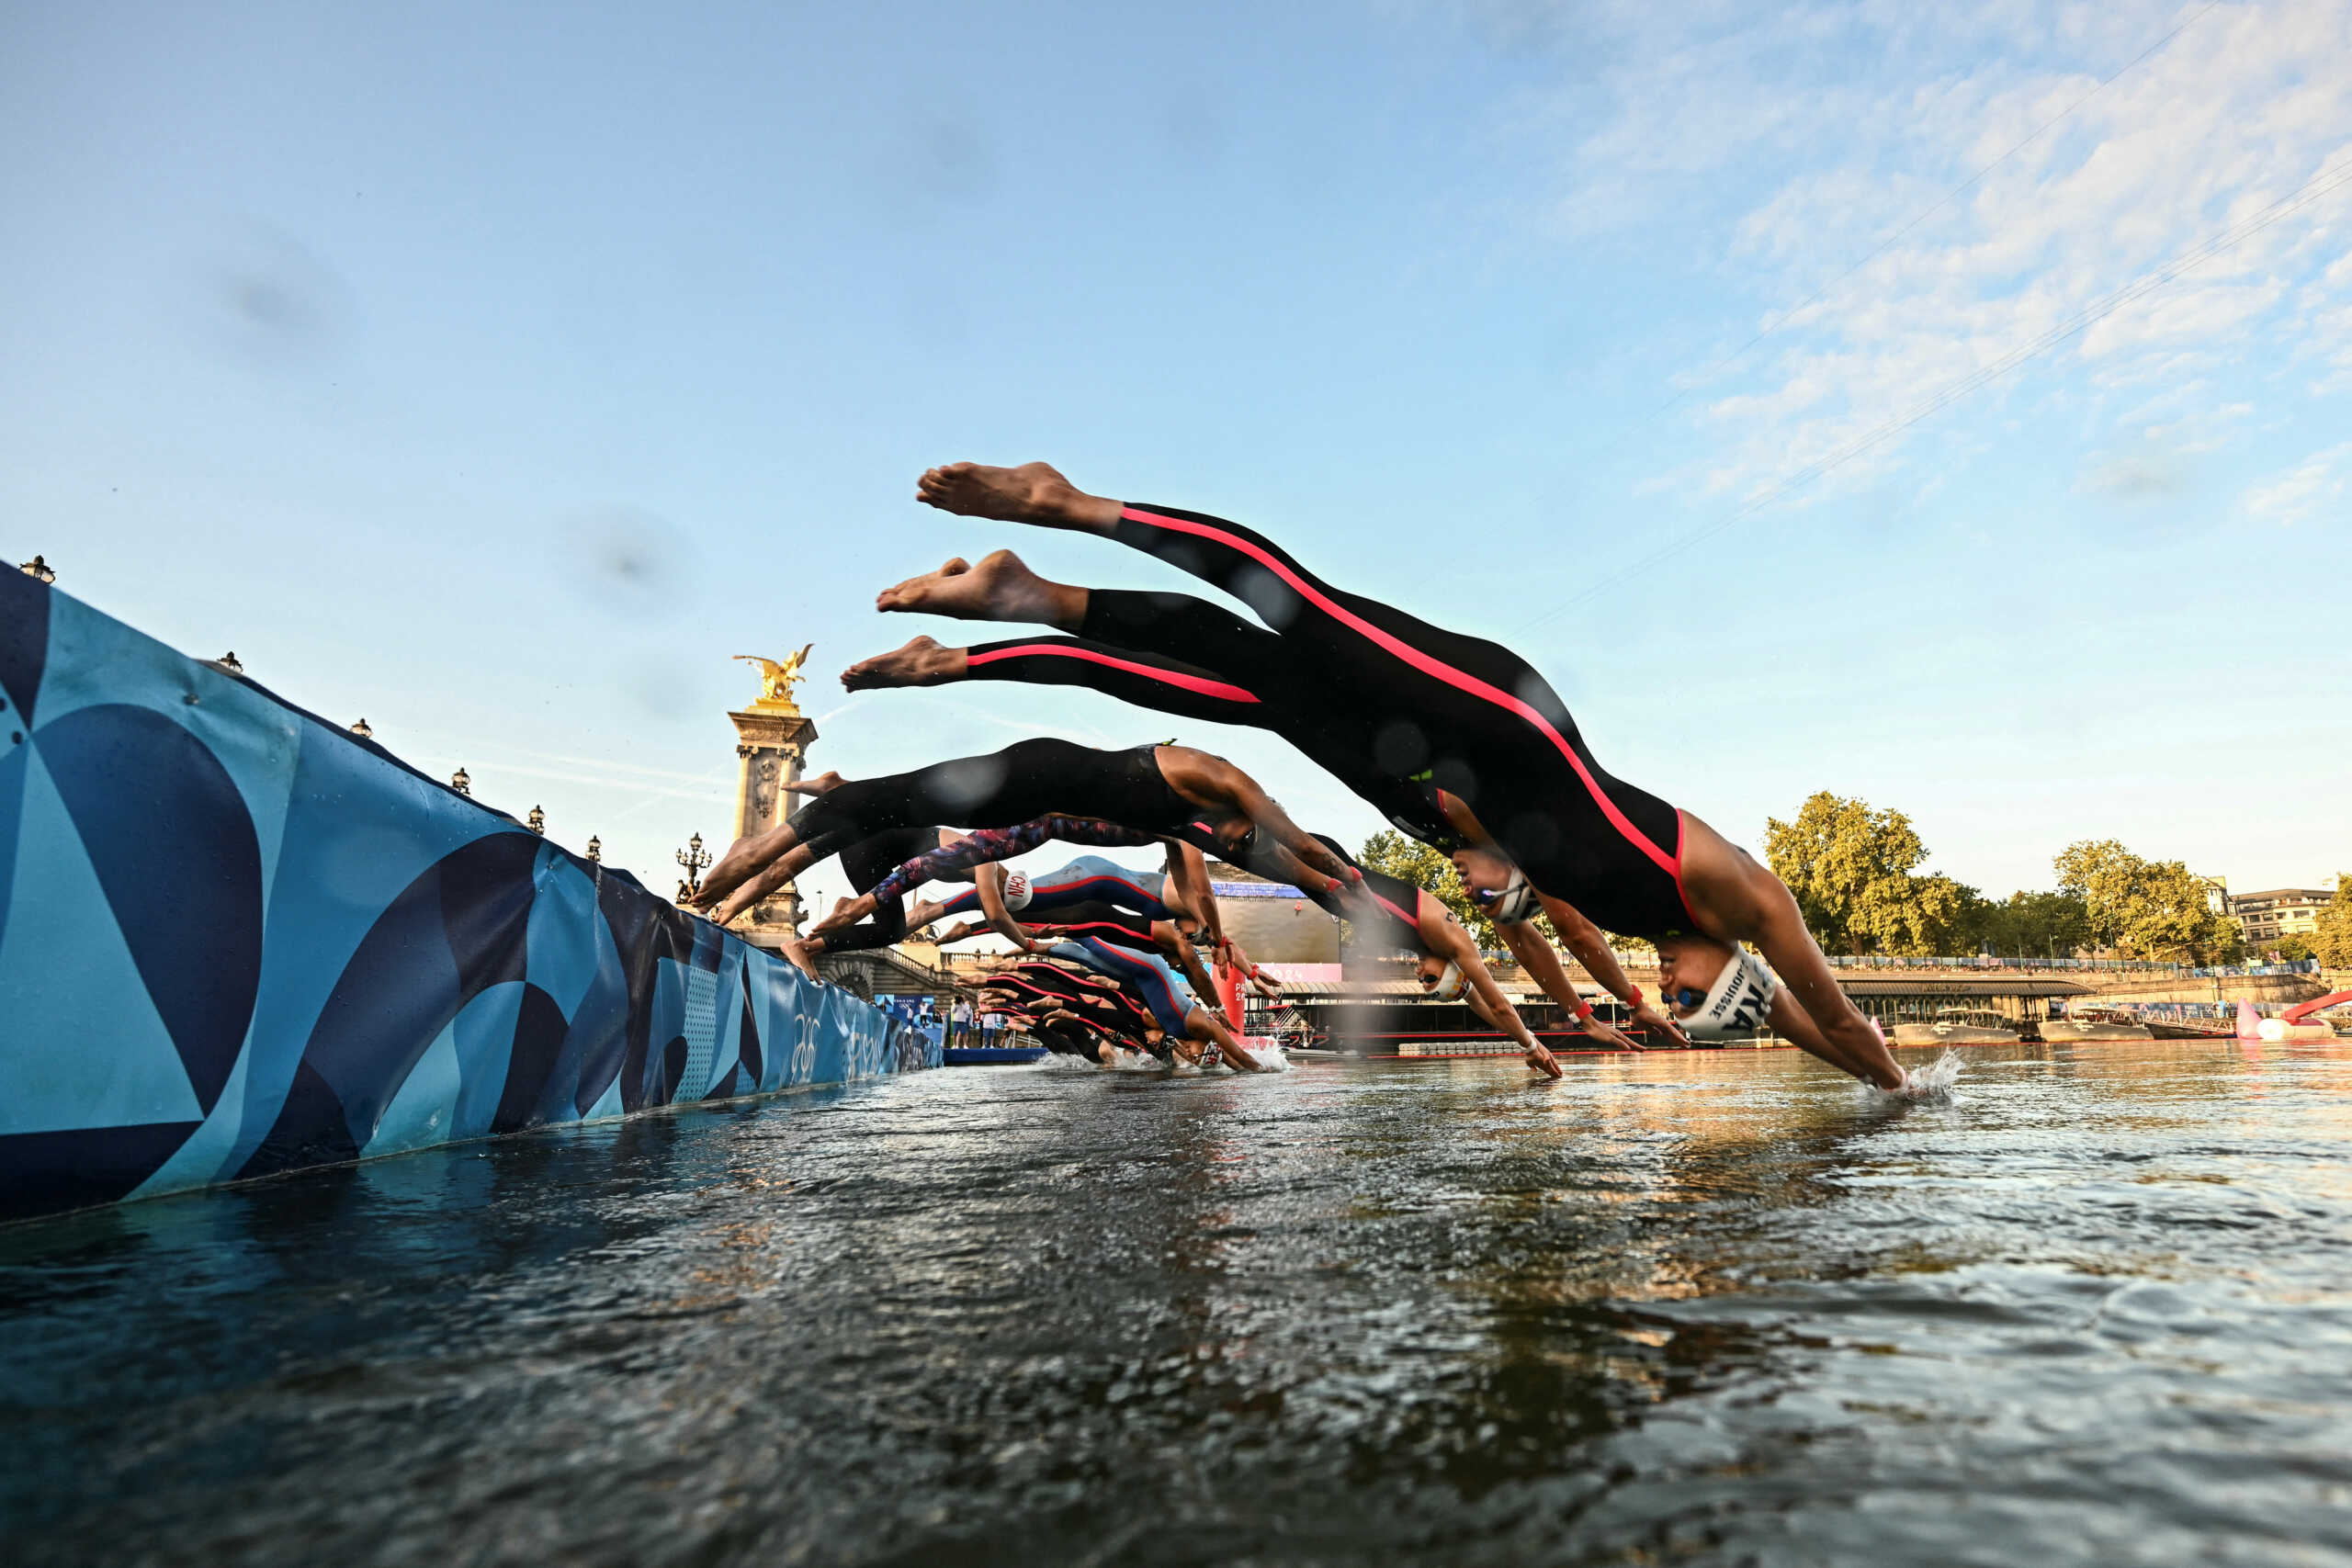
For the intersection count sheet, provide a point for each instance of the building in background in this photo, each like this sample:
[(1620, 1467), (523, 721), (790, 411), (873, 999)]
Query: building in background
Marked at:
[(2265, 919)]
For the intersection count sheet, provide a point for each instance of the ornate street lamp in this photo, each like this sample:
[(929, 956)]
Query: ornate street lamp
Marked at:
[(38, 568), (694, 858), (537, 821), (595, 850), (463, 782), (362, 730)]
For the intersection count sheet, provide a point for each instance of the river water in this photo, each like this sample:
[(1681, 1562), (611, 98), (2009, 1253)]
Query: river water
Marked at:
[(1718, 1308)]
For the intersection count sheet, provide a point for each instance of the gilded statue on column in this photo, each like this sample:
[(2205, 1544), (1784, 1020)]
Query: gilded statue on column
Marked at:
[(776, 680)]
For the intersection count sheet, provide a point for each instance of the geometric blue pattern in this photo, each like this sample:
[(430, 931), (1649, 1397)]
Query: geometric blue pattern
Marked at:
[(237, 940)]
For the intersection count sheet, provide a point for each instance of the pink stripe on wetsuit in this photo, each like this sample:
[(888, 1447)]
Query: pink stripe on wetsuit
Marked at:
[(1579, 834)]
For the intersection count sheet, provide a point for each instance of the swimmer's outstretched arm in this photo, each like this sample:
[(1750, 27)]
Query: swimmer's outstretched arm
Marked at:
[(1539, 959), (1267, 813), (1203, 1025), (1210, 781), (1584, 938), (1188, 874), (1172, 941), (1449, 940), (1736, 899), (1500, 1022), (1267, 986)]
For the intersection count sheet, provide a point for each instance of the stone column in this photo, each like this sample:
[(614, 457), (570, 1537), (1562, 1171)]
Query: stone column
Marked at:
[(771, 746)]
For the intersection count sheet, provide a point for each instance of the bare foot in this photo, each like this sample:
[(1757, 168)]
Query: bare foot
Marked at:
[(794, 950), (846, 912), (922, 662), (999, 589), (744, 857), (1030, 494), (824, 783)]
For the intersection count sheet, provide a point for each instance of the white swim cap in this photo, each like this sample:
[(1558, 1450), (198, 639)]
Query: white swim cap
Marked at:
[(1450, 985), (1016, 890), (1516, 902), (1738, 1003)]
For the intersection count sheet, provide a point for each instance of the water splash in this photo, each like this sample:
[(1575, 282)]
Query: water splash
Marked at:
[(1933, 1083)]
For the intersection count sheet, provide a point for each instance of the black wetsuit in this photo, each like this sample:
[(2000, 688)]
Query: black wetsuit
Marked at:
[(1391, 705), (867, 863), (1027, 779), (1391, 897), (1065, 1040), (1186, 656)]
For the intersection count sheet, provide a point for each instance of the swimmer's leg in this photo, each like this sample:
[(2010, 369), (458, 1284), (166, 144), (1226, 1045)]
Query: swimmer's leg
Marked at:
[(1033, 493), (760, 884), (1145, 680), (920, 661), (823, 783), (794, 950), (999, 587), (744, 858), (1238, 560)]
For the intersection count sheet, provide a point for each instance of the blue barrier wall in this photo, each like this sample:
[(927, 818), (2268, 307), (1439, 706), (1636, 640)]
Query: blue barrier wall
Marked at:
[(237, 940)]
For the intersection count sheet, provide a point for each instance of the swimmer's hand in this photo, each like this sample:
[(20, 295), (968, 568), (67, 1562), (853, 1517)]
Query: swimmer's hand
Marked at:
[(1608, 1034), (1542, 1061), (1648, 1017)]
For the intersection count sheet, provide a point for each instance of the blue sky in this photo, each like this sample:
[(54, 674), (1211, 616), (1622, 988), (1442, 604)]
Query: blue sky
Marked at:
[(367, 346)]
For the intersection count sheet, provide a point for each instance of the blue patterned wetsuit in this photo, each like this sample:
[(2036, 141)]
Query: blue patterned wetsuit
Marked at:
[(1088, 879), (1002, 843), (1142, 976)]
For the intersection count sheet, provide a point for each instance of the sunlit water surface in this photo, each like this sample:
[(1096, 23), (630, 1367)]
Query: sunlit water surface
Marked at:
[(1717, 1307)]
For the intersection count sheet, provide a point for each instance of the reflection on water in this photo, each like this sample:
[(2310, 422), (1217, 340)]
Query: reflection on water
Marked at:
[(1710, 1307)]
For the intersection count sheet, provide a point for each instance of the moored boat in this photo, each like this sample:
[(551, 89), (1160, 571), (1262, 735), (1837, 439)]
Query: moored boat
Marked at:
[(2093, 1024), (1959, 1026)]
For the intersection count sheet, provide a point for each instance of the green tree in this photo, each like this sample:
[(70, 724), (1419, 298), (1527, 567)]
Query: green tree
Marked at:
[(2038, 925), (2148, 908), (2331, 941), (1853, 872), (1975, 923)]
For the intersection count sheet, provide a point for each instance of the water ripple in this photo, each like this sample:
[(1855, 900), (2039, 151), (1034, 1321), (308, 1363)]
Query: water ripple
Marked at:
[(1716, 1307)]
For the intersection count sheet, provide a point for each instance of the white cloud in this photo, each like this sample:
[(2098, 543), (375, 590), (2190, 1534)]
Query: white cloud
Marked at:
[(2134, 479), (2321, 484), (1844, 122)]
